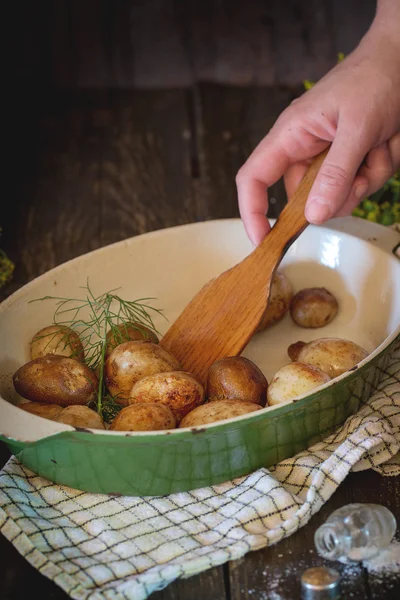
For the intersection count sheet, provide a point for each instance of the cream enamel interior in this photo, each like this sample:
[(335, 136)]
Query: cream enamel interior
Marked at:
[(350, 257)]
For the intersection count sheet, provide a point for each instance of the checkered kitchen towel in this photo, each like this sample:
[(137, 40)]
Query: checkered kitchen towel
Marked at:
[(105, 548)]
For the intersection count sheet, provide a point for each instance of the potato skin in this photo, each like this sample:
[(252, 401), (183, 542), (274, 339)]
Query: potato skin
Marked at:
[(131, 361), (294, 350), (80, 416), (334, 356), (236, 378), (144, 417), (313, 307), (56, 379), (292, 380), (126, 332), (178, 390), (217, 411), (47, 411), (56, 339), (279, 301)]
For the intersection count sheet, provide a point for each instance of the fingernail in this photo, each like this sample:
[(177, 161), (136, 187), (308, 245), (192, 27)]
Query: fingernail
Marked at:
[(317, 211)]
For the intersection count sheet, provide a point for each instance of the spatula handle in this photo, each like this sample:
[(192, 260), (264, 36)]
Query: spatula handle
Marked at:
[(292, 220)]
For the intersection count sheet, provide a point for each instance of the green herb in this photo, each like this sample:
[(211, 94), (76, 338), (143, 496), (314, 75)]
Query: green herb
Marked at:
[(384, 205), (92, 317), (6, 268)]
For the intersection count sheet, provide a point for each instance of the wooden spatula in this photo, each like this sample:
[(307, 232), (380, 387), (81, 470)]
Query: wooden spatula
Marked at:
[(223, 316)]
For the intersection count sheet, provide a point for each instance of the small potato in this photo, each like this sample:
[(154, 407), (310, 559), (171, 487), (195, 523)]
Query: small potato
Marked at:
[(80, 416), (217, 411), (131, 361), (57, 339), (279, 301), (125, 332), (144, 417), (294, 350), (56, 379), (334, 356), (313, 307), (178, 390), (47, 411), (236, 378), (293, 380)]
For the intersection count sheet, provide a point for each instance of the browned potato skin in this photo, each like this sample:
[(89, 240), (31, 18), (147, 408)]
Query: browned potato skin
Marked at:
[(47, 411), (131, 361), (56, 339), (279, 301), (178, 390), (313, 307), (334, 356), (294, 350), (144, 417), (219, 410), (236, 378), (129, 332), (56, 379), (80, 416)]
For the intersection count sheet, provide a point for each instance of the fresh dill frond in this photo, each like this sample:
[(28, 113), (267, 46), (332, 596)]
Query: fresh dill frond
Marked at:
[(93, 317)]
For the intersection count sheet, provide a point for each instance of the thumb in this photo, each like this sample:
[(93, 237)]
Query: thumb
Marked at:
[(335, 179)]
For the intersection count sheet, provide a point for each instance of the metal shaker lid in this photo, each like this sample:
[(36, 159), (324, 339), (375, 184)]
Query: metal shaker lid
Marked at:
[(320, 583)]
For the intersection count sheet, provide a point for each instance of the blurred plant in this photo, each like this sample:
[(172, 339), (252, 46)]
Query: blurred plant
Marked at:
[(6, 267), (384, 205)]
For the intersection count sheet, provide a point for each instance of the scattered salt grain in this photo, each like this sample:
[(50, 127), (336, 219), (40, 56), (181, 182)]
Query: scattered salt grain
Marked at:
[(387, 561)]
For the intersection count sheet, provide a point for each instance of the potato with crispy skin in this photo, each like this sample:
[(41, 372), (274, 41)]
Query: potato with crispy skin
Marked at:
[(178, 390), (144, 417), (313, 307), (56, 339), (56, 379), (293, 380), (334, 356), (128, 331), (236, 378), (131, 361), (279, 301), (47, 411), (219, 410), (80, 416), (294, 350)]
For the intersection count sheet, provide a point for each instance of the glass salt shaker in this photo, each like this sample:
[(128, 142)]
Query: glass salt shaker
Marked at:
[(355, 532)]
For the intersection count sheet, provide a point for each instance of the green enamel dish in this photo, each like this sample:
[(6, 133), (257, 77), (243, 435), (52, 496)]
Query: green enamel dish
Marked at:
[(355, 259)]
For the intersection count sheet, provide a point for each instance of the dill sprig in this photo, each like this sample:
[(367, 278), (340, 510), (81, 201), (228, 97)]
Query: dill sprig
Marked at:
[(92, 317)]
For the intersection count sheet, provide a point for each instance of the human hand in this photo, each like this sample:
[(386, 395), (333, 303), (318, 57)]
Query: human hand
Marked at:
[(356, 109)]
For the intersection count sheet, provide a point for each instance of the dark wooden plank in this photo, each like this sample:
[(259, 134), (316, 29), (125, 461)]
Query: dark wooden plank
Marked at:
[(350, 21), (274, 573), (234, 120), (145, 179)]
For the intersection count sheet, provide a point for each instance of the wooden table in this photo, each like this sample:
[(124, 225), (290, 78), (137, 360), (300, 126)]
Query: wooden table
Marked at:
[(99, 167)]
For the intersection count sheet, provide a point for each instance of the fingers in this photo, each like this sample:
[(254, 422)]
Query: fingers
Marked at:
[(381, 163), (335, 179)]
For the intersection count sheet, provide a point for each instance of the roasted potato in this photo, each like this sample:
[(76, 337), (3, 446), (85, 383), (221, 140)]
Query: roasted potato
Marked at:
[(178, 390), (125, 332), (292, 380), (217, 411), (131, 361), (334, 356), (56, 379), (313, 307), (144, 417), (279, 301), (236, 378), (56, 339), (80, 416), (47, 411), (294, 350)]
